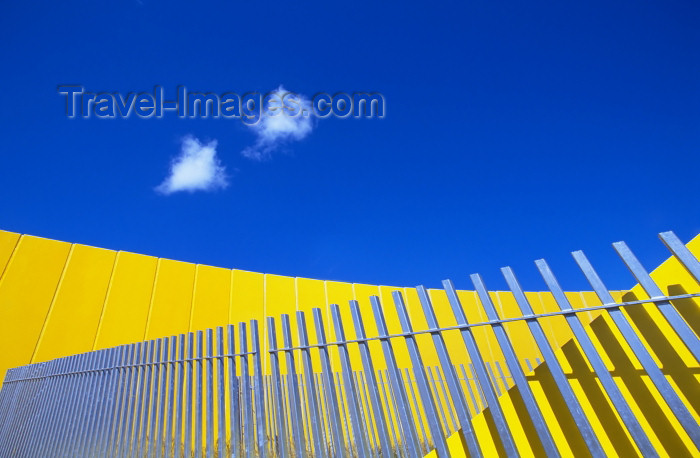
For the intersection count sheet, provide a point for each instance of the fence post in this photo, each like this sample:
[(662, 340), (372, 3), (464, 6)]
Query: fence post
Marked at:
[(234, 393), (329, 385), (294, 401), (380, 419), (353, 405), (277, 383), (155, 397), (180, 387), (170, 411), (246, 402), (311, 395), (259, 389), (199, 395), (188, 395), (164, 383)]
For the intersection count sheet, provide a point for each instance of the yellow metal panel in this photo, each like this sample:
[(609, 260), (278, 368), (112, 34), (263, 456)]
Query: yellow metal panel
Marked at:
[(72, 322), (247, 301), (172, 299), (247, 296), (26, 291), (128, 299), (8, 242), (212, 297)]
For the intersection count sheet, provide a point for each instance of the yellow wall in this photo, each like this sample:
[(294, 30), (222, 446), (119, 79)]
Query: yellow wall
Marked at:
[(58, 299)]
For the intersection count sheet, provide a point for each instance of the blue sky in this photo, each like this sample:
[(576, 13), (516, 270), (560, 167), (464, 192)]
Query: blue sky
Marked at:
[(512, 132)]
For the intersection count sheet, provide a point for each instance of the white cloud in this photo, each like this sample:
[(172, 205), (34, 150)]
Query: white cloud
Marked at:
[(196, 169), (275, 130)]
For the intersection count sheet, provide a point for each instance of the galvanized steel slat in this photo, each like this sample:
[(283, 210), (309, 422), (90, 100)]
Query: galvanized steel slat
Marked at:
[(315, 414), (329, 385), (297, 421), (351, 395), (277, 383), (258, 388)]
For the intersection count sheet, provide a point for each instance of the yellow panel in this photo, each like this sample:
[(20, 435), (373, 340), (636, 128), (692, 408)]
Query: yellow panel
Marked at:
[(72, 322), (247, 301), (26, 291), (247, 296), (310, 294), (280, 298), (172, 299), (212, 296), (8, 242), (128, 299)]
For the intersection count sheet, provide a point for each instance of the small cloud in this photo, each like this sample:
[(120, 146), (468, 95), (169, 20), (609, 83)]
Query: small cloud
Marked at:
[(275, 130), (196, 169)]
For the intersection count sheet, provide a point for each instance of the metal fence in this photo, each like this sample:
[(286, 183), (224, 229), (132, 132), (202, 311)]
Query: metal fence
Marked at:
[(208, 393)]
